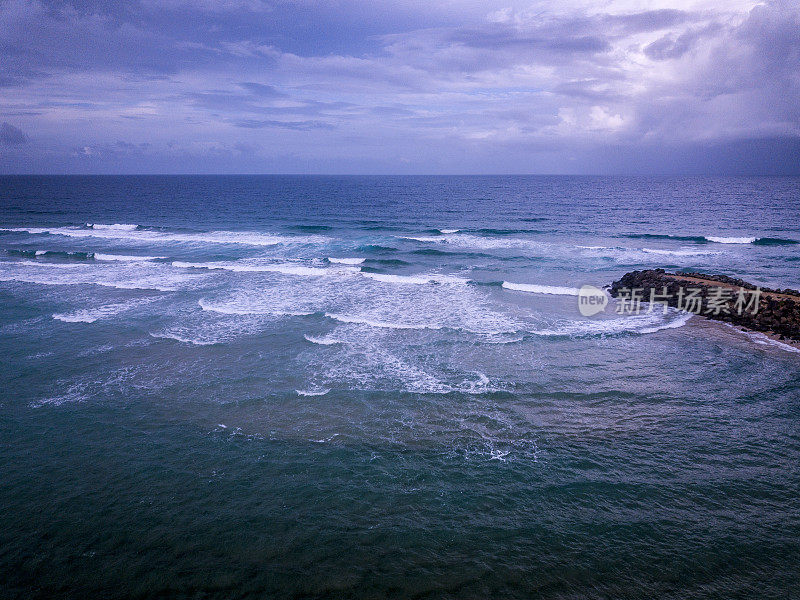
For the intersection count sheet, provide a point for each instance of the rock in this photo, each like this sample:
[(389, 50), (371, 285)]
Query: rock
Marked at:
[(777, 311)]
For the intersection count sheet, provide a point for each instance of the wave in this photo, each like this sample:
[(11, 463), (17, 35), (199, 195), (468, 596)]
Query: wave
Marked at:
[(305, 271), (120, 285), (373, 323), (635, 324), (386, 262), (701, 239), (482, 242), (767, 241), (81, 316), (321, 341), (346, 261), (114, 227), (415, 279), (762, 339), (320, 392), (233, 309), (376, 249), (125, 258), (731, 240), (82, 255), (136, 234), (636, 255), (541, 289), (125, 276), (422, 238), (438, 252), (51, 254), (681, 252), (448, 231), (284, 268), (494, 231), (184, 339), (55, 265), (311, 228), (90, 315)]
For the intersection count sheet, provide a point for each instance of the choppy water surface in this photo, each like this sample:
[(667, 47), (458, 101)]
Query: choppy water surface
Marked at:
[(382, 387)]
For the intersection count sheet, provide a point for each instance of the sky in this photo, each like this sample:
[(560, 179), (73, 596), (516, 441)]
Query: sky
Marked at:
[(380, 87)]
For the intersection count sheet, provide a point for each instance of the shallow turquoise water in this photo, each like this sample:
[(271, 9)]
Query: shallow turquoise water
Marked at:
[(317, 387)]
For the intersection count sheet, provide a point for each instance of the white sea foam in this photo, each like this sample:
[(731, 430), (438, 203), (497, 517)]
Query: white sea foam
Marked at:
[(639, 324), (288, 268), (764, 340), (373, 323), (125, 258), (90, 315), (346, 261), (416, 279), (320, 392), (185, 339), (731, 240), (123, 275), (54, 265), (244, 267), (680, 252), (114, 227), (233, 308), (480, 386), (541, 289), (499, 454), (678, 321), (75, 393), (643, 255), (447, 231), (133, 234), (81, 316), (376, 367), (476, 242), (422, 238), (322, 341)]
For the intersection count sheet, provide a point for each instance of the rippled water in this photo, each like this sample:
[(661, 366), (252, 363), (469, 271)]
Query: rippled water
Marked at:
[(382, 387)]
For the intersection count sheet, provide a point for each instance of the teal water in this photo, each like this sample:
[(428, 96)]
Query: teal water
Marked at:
[(369, 387)]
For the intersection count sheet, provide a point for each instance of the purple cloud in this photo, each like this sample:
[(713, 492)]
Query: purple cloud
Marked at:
[(467, 86)]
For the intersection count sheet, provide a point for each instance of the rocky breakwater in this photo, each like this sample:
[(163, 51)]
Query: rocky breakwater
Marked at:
[(771, 311)]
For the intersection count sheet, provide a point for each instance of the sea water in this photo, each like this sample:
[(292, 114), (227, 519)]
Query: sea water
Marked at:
[(371, 387)]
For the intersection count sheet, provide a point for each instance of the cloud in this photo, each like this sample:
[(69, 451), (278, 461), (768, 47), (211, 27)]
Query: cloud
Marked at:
[(296, 125), (261, 89), (460, 85), (10, 135)]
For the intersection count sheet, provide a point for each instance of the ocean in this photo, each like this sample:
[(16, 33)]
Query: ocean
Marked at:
[(382, 387)]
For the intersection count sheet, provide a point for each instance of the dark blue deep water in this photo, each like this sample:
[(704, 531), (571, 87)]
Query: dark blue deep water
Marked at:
[(381, 387)]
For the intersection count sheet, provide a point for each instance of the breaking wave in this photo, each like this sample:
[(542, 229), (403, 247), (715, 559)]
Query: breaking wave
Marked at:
[(634, 324), (138, 234), (701, 239), (540, 289)]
